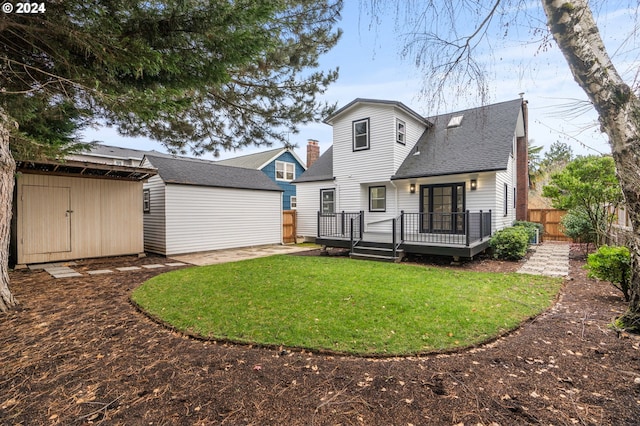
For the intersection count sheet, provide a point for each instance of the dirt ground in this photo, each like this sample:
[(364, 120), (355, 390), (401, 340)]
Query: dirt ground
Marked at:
[(77, 352)]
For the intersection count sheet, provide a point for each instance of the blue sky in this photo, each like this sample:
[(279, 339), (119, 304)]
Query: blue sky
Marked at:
[(371, 67)]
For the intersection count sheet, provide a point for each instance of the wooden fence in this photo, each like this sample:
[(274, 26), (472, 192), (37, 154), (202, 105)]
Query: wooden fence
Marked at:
[(550, 219), (288, 226)]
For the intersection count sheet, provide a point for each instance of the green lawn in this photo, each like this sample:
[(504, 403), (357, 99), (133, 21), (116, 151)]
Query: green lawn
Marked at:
[(344, 305)]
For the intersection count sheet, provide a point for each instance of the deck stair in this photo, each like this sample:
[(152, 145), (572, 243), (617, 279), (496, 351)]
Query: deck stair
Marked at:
[(369, 250)]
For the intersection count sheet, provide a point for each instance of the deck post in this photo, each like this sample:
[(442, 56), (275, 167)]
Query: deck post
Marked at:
[(401, 225), (342, 223), (466, 219), (361, 223), (351, 235), (393, 238), (318, 232), (481, 226)]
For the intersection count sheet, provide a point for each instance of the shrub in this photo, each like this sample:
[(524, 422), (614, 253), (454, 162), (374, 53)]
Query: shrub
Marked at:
[(510, 243), (612, 264), (531, 228), (577, 226)]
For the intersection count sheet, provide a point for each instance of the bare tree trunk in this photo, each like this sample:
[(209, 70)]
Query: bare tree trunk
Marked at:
[(577, 35), (7, 172)]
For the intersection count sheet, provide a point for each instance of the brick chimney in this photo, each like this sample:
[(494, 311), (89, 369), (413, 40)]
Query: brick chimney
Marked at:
[(522, 167), (313, 152)]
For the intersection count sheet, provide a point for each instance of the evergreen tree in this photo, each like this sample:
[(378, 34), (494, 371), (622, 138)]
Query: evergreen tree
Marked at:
[(196, 75)]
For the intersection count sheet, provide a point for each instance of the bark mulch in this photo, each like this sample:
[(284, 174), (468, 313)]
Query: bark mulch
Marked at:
[(77, 352)]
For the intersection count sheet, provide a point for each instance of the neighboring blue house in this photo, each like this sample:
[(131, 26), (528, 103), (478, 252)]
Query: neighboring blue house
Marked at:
[(282, 165)]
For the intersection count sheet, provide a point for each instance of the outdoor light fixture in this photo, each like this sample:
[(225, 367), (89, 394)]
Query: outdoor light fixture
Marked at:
[(412, 188), (474, 184)]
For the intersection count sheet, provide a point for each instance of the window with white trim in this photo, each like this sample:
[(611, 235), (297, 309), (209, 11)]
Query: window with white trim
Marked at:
[(293, 203), (361, 134), (285, 171), (377, 198), (401, 131), (146, 200), (328, 201)]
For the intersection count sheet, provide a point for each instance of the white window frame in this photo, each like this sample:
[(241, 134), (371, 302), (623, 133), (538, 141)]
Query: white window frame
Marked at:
[(146, 200), (283, 168), (378, 198), (293, 202), (333, 201), (401, 132), (357, 136)]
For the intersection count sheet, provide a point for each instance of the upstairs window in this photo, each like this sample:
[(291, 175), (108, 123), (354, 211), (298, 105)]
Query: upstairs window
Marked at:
[(401, 132), (361, 134), (285, 171)]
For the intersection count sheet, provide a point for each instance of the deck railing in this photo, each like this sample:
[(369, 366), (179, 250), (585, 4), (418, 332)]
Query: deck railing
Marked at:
[(341, 225), (460, 228), (453, 229)]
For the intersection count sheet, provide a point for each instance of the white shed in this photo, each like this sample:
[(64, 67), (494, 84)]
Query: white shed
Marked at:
[(195, 205)]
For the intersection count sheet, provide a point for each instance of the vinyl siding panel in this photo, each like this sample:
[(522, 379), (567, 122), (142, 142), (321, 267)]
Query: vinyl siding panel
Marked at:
[(103, 218), (154, 220), (205, 218), (308, 206), (288, 188)]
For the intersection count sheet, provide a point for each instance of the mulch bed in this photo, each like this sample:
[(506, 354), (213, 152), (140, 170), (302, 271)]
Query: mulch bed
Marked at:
[(77, 352)]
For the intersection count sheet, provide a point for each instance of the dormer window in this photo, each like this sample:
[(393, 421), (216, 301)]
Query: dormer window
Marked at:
[(455, 121), (361, 134), (401, 132)]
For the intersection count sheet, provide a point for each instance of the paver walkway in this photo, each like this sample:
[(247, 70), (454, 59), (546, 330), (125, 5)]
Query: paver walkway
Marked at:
[(550, 258)]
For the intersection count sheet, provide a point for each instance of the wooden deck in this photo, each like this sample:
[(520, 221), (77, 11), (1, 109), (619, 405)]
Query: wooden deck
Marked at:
[(429, 245)]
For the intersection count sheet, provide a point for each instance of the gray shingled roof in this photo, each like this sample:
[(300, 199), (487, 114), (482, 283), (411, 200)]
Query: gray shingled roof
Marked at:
[(322, 169), (396, 104), (252, 161), (482, 142), (208, 173)]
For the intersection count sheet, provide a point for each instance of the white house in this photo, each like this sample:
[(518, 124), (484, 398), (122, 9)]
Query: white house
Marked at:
[(197, 205), (396, 181)]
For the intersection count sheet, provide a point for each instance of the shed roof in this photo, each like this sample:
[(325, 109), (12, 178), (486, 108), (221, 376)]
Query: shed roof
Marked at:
[(186, 171), (109, 151), (87, 169), (482, 142)]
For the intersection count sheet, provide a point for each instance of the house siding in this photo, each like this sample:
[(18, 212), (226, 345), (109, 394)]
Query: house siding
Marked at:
[(507, 177), (308, 194), (288, 188), (205, 218), (154, 220)]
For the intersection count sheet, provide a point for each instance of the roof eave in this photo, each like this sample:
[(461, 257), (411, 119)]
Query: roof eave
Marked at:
[(418, 176)]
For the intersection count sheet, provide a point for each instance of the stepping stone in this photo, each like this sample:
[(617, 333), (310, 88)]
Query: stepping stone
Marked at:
[(100, 271), (175, 264), (153, 266), (66, 274), (128, 268)]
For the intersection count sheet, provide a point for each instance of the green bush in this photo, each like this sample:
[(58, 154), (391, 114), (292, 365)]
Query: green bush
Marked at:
[(577, 226), (510, 243), (612, 264), (531, 228)]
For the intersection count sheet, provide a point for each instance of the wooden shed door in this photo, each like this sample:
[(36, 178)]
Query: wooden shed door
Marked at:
[(46, 219)]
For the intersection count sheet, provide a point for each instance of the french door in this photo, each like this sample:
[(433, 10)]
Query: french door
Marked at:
[(442, 208)]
